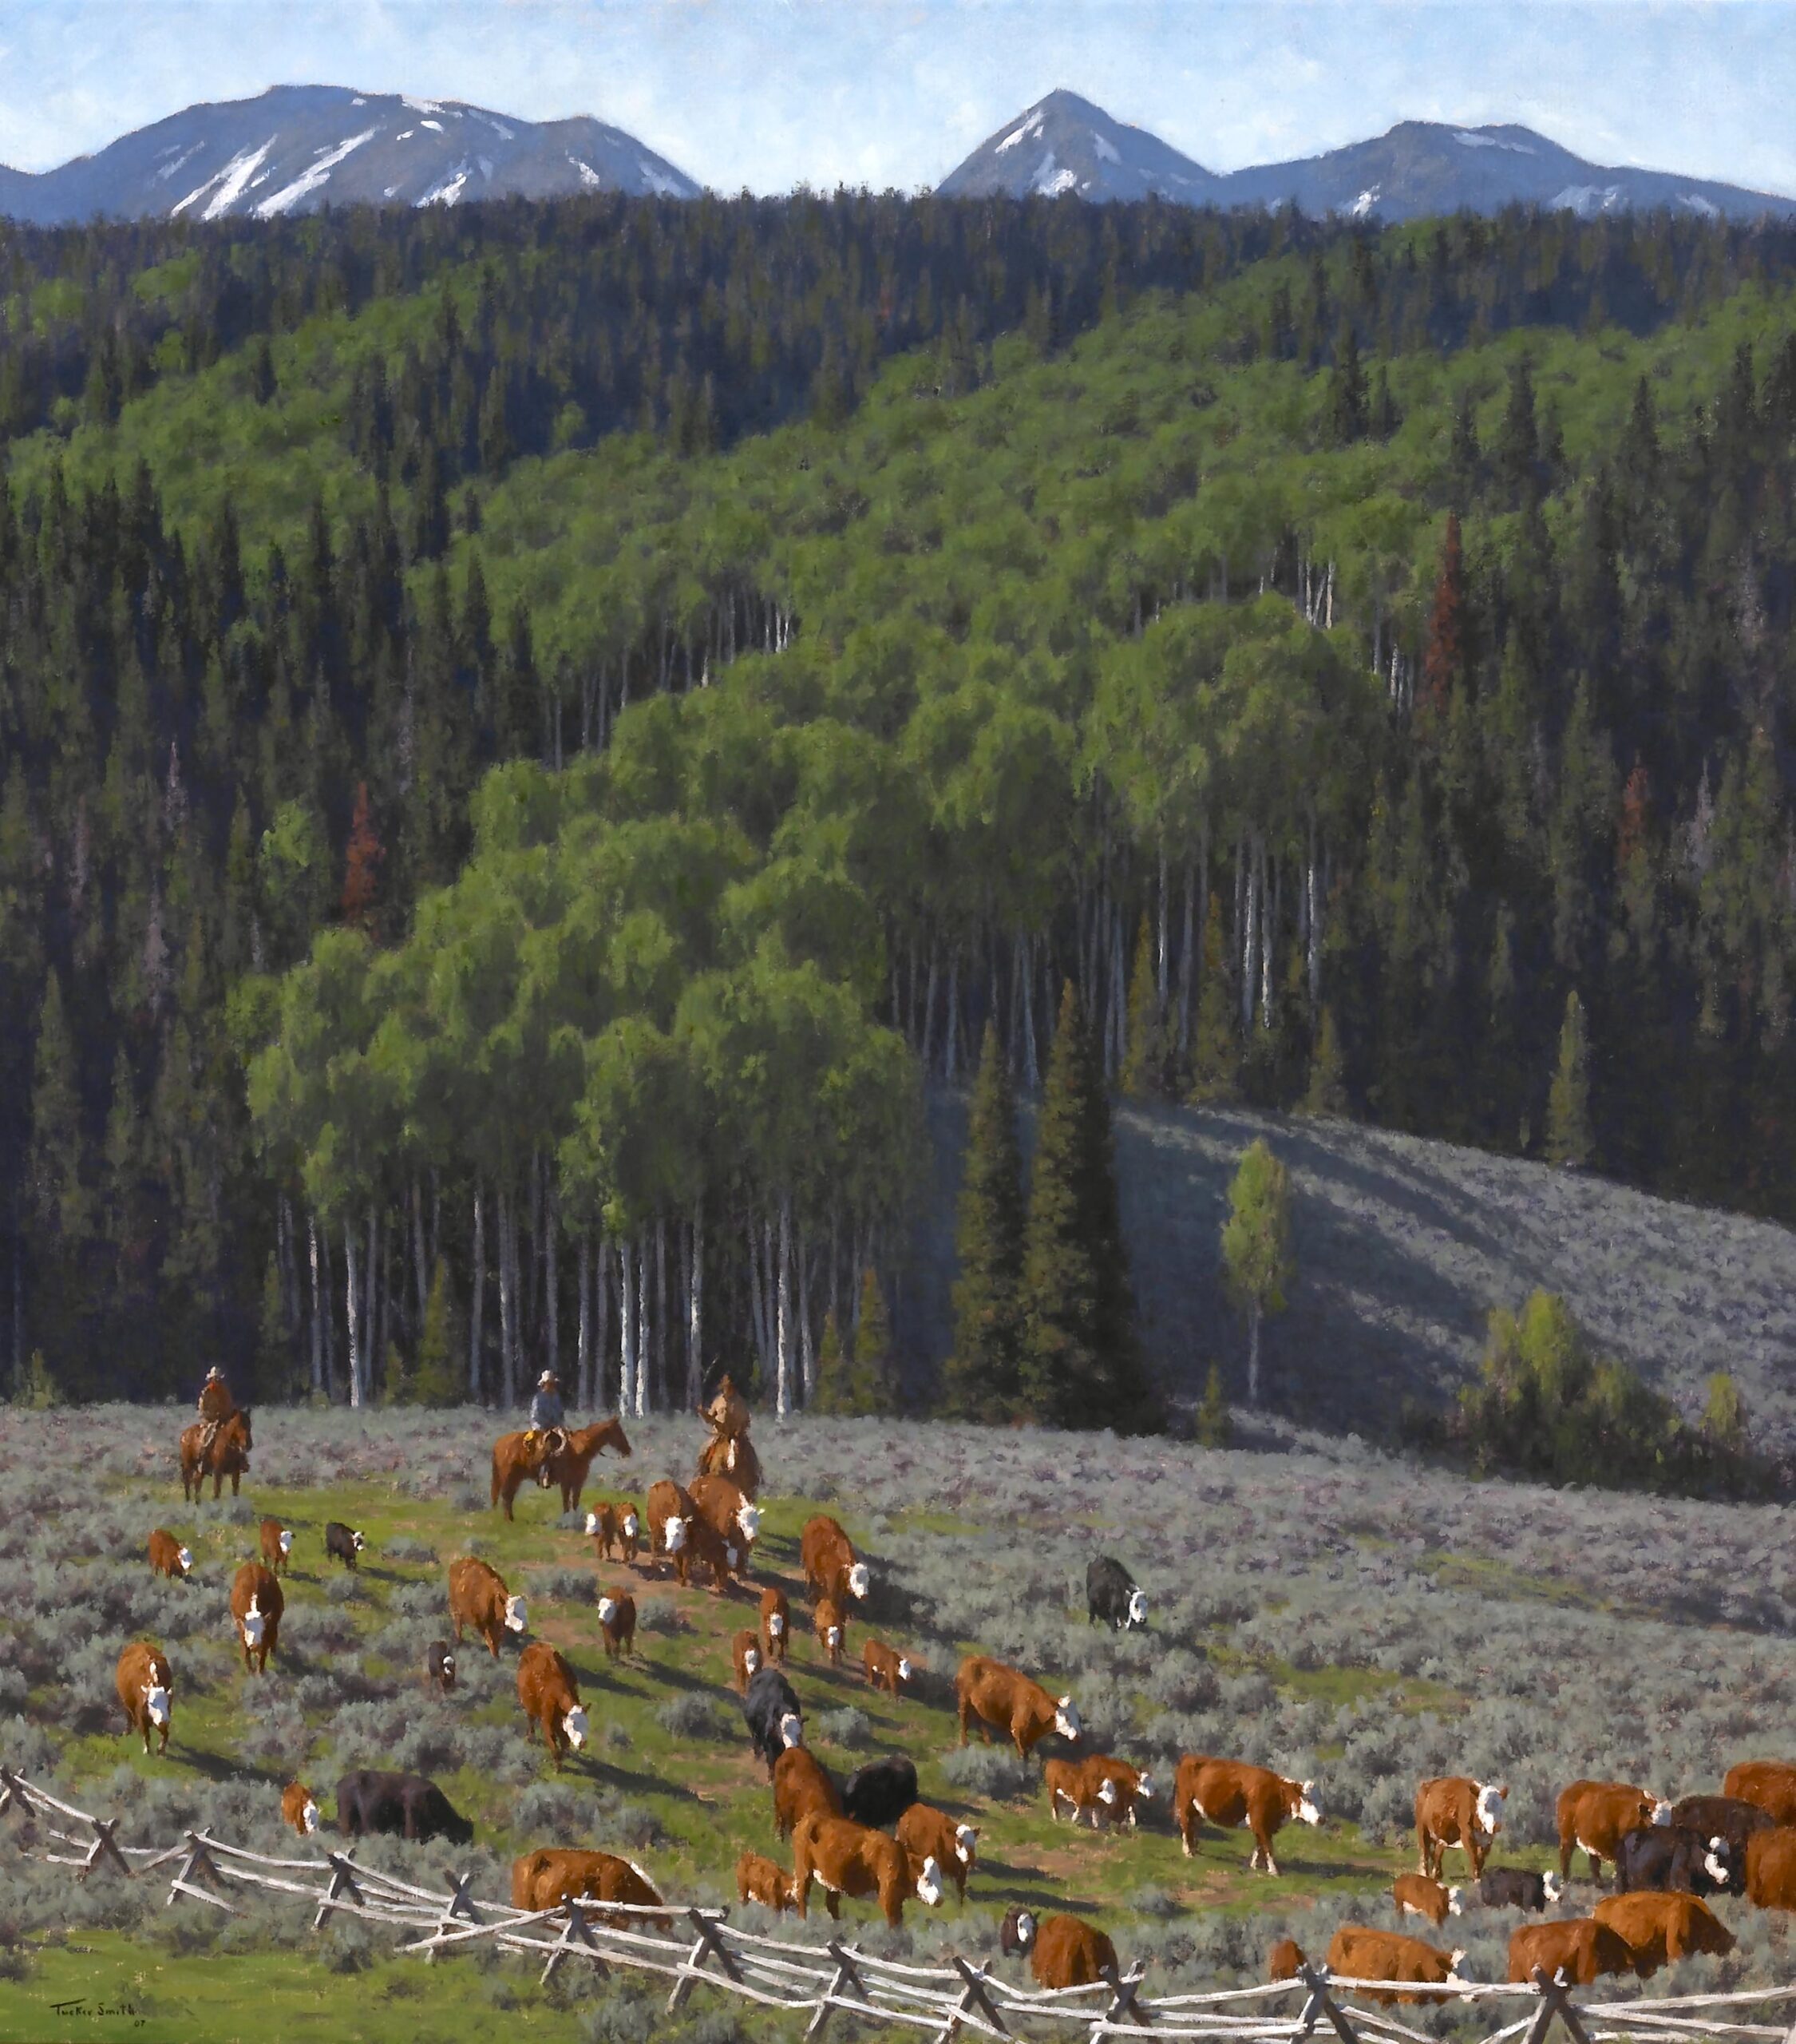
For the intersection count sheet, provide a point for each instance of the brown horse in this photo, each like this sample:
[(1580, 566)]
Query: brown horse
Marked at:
[(227, 1454), (511, 1467), (733, 1456)]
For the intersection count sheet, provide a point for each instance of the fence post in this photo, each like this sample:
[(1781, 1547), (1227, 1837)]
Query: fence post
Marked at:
[(342, 1881), (1555, 2000), (199, 1861), (105, 1847), (972, 1996), (1124, 1991), (1321, 2002), (706, 1945), (575, 1936), (459, 1906), (12, 1789), (846, 1976)]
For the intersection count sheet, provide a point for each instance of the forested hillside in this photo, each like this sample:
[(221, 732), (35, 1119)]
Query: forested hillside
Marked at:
[(1358, 662)]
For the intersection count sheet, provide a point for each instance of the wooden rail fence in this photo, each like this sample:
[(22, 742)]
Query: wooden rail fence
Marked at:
[(690, 1946)]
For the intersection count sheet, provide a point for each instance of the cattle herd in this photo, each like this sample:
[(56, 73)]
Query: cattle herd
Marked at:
[(871, 1837)]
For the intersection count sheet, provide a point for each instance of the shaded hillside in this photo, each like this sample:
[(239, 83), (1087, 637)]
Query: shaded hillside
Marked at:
[(1404, 1245)]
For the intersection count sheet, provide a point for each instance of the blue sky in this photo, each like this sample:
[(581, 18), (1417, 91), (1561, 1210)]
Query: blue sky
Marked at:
[(769, 94)]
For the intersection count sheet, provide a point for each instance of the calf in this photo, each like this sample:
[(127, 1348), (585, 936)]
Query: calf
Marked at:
[(1453, 1809), (878, 1794), (1594, 1814), (1676, 1859), (617, 1622), (256, 1604), (146, 1687), (744, 1659), (1356, 1954), (277, 1545), (770, 1709), (776, 1624), (1518, 1887), (551, 1698), (1574, 1953), (1092, 1786), (1770, 1868), (343, 1542), (1416, 1895), (1770, 1784), (1063, 1951), (1006, 1699), (556, 1874), (369, 1800), (1732, 1817), (1658, 1928), (758, 1879), (827, 1557), (830, 1623), (802, 1784), (297, 1809), (931, 1834), (601, 1527), (1110, 1594), (478, 1597), (1284, 1960), (884, 1668), (167, 1556), (439, 1666), (1227, 1792), (845, 1858)]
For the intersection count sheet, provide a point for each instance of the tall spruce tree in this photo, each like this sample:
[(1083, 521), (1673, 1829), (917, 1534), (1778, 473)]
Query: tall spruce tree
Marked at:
[(1216, 1050), (1081, 1366), (1568, 1137), (979, 1380)]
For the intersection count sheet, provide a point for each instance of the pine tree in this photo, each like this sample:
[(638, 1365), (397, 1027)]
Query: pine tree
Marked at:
[(1216, 1051), (1443, 663), (980, 1376), (1347, 415), (1327, 1088), (1385, 417), (1568, 1138), (274, 1348), (1080, 1364), (1214, 1426), (828, 1392), (1257, 1263), (871, 1378), (441, 1371), (1144, 1054), (360, 864)]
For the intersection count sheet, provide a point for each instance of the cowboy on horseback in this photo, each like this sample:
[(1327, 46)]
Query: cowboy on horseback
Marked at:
[(727, 1415), (216, 1405), (547, 1435)]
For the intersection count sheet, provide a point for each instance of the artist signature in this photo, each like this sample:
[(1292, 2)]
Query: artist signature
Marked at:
[(83, 2010)]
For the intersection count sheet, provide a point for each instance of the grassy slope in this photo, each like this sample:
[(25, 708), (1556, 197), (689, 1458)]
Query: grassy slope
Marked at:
[(1404, 1245)]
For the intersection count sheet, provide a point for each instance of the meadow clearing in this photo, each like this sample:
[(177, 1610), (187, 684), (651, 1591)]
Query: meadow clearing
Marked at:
[(1324, 1610)]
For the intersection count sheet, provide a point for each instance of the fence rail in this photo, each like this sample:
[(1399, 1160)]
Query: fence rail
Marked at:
[(691, 1946)]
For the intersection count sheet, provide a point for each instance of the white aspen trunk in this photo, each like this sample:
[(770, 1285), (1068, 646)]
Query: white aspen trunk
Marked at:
[(695, 1300), (625, 1329), (807, 1351), (1267, 933), (421, 1275), (1328, 601), (1250, 894), (477, 1318), (1312, 920), (1031, 1074), (661, 1306), (1187, 939), (645, 1390), (757, 1304), (530, 1291), (929, 1007), (372, 1351), (1161, 975), (552, 1300), (508, 1306), (783, 1397), (582, 1340), (352, 1308), (601, 1317), (317, 1308), (330, 1321)]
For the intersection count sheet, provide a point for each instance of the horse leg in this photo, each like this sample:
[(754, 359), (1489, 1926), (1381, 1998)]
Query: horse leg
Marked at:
[(236, 1482)]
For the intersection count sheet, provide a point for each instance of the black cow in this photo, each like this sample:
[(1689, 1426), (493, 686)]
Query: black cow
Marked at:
[(1110, 1594), (1674, 1857), (771, 1708), (1721, 1816), (880, 1793), (1514, 1887), (439, 1665), (369, 1801), (343, 1541)]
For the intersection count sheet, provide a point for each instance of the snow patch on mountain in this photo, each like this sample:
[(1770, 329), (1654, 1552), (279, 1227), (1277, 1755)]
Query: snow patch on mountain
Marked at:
[(437, 124), (420, 105), (1107, 150), (1364, 203), (308, 180), (1468, 139), (1698, 203), (663, 186), (186, 156), (589, 177), (1050, 181), (449, 192), (1031, 126)]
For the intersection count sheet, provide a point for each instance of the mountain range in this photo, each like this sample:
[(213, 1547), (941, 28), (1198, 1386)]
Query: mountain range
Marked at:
[(295, 149)]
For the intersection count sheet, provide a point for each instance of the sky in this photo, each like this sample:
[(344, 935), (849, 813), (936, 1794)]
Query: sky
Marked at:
[(772, 93)]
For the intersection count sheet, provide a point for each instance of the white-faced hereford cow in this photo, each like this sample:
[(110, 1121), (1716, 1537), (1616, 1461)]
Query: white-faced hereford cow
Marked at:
[(1595, 1816), (848, 1858), (551, 1698), (146, 1687), (1453, 1809), (256, 1605), (1231, 1792), (1006, 1699), (1770, 1784), (828, 1557), (478, 1597)]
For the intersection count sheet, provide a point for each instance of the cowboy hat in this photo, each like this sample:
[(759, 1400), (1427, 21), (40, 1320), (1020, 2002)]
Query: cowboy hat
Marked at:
[(548, 1376)]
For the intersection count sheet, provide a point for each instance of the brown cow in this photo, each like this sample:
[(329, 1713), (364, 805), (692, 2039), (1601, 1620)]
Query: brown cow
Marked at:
[(299, 1809), (1093, 1785), (931, 1834), (829, 1621), (478, 1597), (758, 1879), (1355, 1953), (601, 1528), (256, 1604), (802, 1785), (745, 1657), (555, 1874), (277, 1545), (1007, 1701), (1596, 1815), (827, 1557), (146, 1687), (1770, 1868), (617, 1622), (551, 1698), (883, 1666), (1453, 1809), (1284, 1960), (672, 1522), (167, 1556), (1063, 1951), (848, 1858), (566, 1470), (1658, 1926), (731, 1516), (1770, 1784), (1415, 1895), (776, 1624), (1227, 1792), (1577, 1952)]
